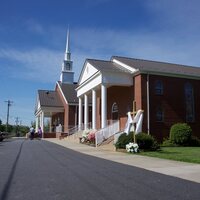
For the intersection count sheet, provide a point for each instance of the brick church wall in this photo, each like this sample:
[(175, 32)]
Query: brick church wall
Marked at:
[(173, 103), (122, 96)]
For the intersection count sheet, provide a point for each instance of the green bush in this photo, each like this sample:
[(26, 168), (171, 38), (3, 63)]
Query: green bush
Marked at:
[(168, 143), (123, 140), (180, 134), (146, 142)]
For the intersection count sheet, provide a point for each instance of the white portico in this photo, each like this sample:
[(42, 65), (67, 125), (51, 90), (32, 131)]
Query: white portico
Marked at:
[(95, 79)]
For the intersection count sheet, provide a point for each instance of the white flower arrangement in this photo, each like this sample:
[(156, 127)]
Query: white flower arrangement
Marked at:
[(132, 147), (84, 135)]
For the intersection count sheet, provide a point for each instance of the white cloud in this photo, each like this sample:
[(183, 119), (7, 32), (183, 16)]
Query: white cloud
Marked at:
[(158, 45), (37, 64), (176, 15), (44, 64)]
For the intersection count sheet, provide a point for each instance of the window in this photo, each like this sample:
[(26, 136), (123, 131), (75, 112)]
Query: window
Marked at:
[(189, 102), (67, 66), (114, 111), (159, 114), (159, 87)]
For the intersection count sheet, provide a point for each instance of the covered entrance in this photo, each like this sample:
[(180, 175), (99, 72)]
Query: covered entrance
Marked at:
[(49, 107)]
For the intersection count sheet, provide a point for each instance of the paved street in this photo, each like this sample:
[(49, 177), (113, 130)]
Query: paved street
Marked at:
[(42, 170)]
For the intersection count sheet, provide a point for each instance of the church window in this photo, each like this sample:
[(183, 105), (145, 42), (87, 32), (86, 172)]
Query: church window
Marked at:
[(189, 102), (159, 114), (159, 87), (114, 111)]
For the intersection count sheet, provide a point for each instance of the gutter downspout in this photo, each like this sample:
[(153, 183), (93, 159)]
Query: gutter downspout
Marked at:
[(148, 115)]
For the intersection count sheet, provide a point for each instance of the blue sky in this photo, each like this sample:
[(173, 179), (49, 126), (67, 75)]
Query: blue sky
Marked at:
[(33, 38)]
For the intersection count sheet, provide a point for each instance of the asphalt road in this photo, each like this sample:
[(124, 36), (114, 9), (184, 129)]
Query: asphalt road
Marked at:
[(39, 170)]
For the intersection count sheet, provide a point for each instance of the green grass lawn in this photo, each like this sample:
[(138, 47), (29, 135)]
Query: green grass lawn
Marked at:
[(185, 154)]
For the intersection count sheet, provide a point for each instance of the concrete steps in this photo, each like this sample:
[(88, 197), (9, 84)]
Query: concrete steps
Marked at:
[(108, 144)]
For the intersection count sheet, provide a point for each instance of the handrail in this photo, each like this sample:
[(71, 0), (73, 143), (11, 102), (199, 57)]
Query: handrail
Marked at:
[(106, 132)]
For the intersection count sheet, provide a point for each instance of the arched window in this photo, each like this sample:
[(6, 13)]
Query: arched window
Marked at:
[(189, 102), (159, 114), (159, 87), (114, 111)]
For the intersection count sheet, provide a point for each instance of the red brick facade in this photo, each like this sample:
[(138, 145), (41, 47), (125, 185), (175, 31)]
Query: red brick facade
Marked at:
[(171, 101), (69, 118), (173, 104)]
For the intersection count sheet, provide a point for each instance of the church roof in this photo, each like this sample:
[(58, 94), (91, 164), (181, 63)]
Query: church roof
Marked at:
[(69, 92), (103, 65), (158, 67), (49, 98)]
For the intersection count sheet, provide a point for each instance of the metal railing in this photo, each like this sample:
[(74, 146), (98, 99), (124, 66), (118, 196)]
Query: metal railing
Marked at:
[(103, 134), (77, 130)]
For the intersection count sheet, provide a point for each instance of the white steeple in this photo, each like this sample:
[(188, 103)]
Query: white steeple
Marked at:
[(67, 75), (67, 51)]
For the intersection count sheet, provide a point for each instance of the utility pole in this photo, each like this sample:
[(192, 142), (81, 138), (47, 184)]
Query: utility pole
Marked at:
[(17, 126), (9, 103), (16, 120)]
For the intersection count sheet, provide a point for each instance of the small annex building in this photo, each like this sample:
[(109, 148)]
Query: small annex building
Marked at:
[(168, 93), (61, 104)]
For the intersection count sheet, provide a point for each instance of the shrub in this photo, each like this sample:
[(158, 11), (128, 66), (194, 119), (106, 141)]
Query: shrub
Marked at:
[(143, 140), (146, 142), (180, 134), (123, 140), (168, 143)]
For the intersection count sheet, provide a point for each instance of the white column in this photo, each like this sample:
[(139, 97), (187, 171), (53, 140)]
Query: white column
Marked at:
[(36, 124), (86, 111), (80, 113), (42, 121), (103, 106), (94, 109), (50, 124)]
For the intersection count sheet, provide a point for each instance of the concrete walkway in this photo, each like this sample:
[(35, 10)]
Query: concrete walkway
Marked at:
[(182, 170)]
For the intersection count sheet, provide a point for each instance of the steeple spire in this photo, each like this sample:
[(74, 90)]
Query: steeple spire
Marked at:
[(67, 51), (67, 75)]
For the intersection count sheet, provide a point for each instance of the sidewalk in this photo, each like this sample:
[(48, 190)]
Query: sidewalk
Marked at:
[(182, 170)]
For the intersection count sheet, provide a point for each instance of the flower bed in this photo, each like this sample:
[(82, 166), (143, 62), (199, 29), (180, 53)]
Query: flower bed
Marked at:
[(132, 147), (88, 137)]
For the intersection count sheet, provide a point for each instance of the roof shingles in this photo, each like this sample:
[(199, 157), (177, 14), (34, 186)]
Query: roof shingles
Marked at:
[(159, 67), (69, 92), (49, 98)]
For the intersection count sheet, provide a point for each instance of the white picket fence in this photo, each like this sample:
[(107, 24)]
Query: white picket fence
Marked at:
[(106, 132)]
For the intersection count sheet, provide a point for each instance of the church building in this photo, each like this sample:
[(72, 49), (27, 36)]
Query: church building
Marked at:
[(108, 89), (60, 105), (167, 93)]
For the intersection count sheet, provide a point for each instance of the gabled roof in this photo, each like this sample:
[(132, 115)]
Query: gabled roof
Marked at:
[(49, 98), (100, 66), (103, 65), (69, 92), (158, 67)]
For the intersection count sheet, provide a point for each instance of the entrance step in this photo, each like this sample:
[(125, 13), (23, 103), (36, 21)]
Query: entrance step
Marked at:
[(108, 145)]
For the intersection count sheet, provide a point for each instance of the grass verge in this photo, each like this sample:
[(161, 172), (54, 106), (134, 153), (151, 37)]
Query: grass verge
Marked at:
[(185, 154)]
